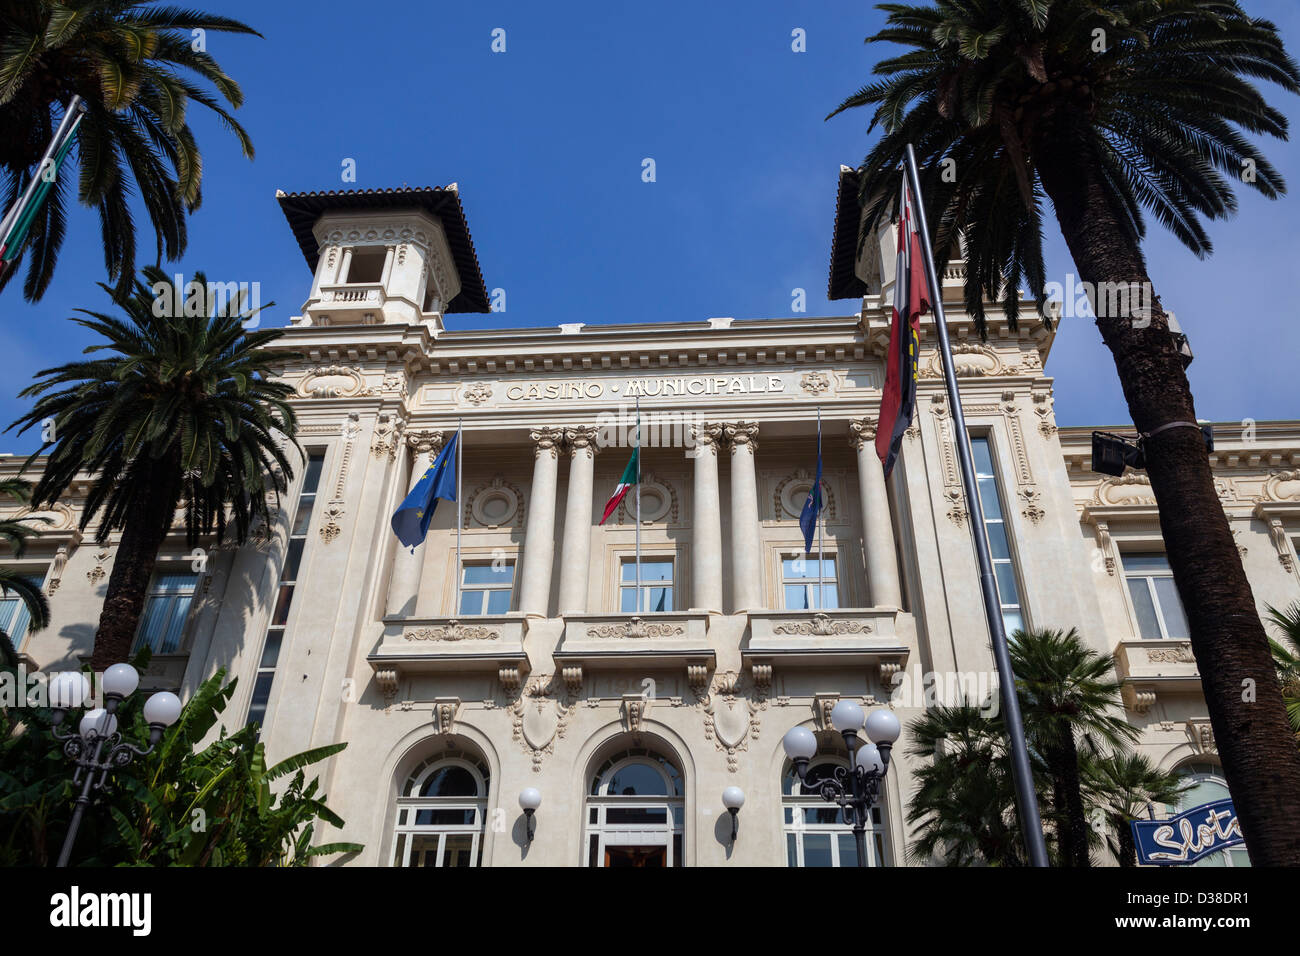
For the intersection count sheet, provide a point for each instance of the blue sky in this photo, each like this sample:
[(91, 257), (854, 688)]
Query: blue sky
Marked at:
[(547, 141)]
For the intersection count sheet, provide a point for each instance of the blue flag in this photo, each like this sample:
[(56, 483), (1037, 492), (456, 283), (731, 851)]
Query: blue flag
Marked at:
[(813, 506), (412, 517)]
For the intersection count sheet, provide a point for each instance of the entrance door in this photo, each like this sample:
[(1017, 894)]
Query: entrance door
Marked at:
[(646, 856)]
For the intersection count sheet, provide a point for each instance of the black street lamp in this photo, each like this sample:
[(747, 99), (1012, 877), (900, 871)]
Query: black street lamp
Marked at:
[(855, 787), (97, 747)]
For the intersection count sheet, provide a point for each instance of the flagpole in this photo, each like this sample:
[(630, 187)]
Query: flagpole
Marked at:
[(821, 541), (638, 504), (1031, 822), (460, 572), (75, 107)]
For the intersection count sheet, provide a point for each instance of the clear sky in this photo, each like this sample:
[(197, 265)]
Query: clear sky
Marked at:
[(547, 141)]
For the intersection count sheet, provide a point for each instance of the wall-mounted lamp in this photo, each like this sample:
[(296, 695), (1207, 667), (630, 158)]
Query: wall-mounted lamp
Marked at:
[(530, 798), (733, 798)]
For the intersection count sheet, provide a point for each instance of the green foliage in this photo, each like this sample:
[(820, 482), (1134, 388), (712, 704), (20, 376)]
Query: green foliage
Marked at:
[(185, 804), (1286, 657), (1121, 785), (138, 66), (185, 400), (1156, 94), (964, 808), (15, 534)]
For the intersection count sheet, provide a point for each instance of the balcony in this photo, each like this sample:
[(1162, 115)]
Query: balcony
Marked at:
[(629, 640), (1151, 667), (841, 636), (423, 645), (359, 303)]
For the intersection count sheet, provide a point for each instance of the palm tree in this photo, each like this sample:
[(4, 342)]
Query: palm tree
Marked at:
[(963, 808), (1122, 785), (1286, 656), (182, 413), (134, 64), (1067, 691), (1110, 109), (15, 533)]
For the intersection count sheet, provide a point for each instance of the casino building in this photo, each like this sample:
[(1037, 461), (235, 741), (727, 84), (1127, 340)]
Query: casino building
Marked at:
[(533, 661)]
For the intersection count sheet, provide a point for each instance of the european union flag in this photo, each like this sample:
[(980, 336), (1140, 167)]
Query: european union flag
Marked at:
[(412, 517), (813, 506)]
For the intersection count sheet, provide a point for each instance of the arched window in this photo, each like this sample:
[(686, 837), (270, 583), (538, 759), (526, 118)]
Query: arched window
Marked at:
[(635, 811), (441, 811), (1208, 785), (815, 834)]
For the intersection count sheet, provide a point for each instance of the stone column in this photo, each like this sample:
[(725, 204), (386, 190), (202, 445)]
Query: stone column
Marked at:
[(746, 556), (706, 558), (576, 551), (877, 522), (404, 585), (539, 535)]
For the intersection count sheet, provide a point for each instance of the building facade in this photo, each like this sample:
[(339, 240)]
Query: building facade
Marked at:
[(520, 647)]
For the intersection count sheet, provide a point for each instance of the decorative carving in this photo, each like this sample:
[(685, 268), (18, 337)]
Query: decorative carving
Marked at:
[(499, 503), (741, 434), (887, 671), (572, 674), (823, 625), (538, 720), (476, 394), (1104, 546), (1144, 698), (387, 682), (1131, 488), (956, 505), (707, 436), (697, 677), (510, 678), (452, 631), (1178, 654), (56, 569), (333, 514), (793, 490), (424, 441), (761, 674), (1202, 735), (548, 440), (1043, 402), (1281, 543), (445, 710), (969, 359), (1030, 495), (636, 628), (634, 709), (729, 720), (581, 438), (667, 510), (815, 383), (97, 573), (862, 431), (332, 381), (387, 437)]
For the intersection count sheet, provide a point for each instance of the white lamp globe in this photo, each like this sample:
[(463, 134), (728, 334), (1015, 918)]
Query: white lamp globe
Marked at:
[(869, 759), (68, 689), (846, 716), (121, 679), (882, 726), (530, 798), (733, 798), (163, 708), (98, 721), (799, 743)]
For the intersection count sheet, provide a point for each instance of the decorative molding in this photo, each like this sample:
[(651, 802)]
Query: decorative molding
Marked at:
[(1178, 654), (445, 711), (497, 490), (388, 436), (573, 680), (790, 493), (539, 720), (477, 393), (547, 439), (635, 628), (97, 573), (333, 514), (1201, 734), (862, 431), (671, 505), (452, 631), (387, 682), (424, 441), (581, 438), (1043, 408), (741, 434), (1030, 496), (815, 383), (707, 435), (57, 566), (823, 625), (331, 381)]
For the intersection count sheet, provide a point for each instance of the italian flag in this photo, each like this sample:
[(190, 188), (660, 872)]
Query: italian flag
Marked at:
[(624, 484)]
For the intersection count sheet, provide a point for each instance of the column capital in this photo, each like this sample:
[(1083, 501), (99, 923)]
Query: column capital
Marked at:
[(707, 435), (862, 431), (741, 434), (548, 439), (578, 437), (424, 441)]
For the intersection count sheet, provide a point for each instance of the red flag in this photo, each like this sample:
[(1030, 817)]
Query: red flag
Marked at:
[(899, 398)]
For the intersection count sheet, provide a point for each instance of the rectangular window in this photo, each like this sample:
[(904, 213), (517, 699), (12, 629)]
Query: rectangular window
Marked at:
[(265, 676), (1155, 598), (367, 266), (485, 587), (656, 585), (809, 582), (14, 618), (166, 609), (995, 530)]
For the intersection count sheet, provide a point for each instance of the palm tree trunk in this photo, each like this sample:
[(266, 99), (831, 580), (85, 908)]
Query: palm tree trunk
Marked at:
[(1250, 726), (1060, 811), (143, 533), (1076, 816), (1127, 849)]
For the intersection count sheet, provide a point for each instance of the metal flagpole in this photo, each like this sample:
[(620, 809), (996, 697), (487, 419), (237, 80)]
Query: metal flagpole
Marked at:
[(460, 571), (638, 504), (821, 541), (74, 107), (1024, 781)]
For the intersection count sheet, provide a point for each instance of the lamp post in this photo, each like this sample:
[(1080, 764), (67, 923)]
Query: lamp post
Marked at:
[(733, 798), (96, 747), (855, 787), (530, 798)]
